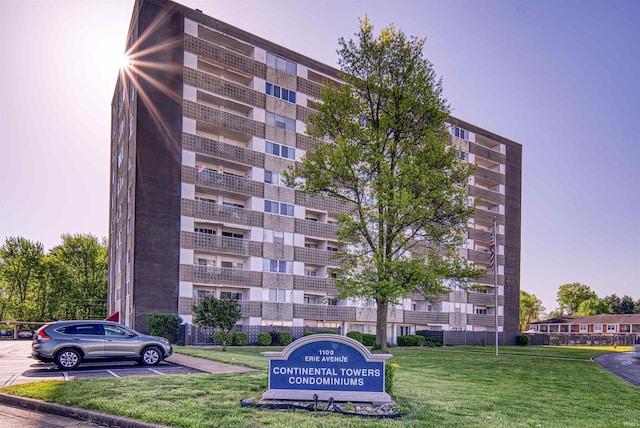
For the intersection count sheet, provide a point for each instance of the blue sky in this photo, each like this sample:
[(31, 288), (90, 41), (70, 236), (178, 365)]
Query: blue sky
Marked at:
[(559, 77)]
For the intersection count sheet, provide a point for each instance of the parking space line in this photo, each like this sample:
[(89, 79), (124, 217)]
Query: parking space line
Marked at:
[(112, 373), (156, 371)]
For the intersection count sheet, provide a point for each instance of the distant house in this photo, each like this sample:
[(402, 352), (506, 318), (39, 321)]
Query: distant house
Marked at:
[(603, 323)]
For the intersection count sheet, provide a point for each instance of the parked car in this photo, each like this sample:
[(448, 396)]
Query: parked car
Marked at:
[(25, 334), (6, 333), (636, 352), (70, 343)]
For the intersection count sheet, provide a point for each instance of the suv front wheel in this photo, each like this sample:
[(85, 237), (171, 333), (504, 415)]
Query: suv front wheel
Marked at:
[(68, 359), (151, 356)]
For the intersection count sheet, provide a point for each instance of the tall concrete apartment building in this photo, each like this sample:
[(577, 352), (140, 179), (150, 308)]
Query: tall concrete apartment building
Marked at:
[(203, 127)]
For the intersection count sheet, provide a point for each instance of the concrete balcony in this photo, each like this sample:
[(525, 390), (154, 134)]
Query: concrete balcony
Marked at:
[(220, 150), (484, 236), (324, 312), (250, 309), (487, 153), (484, 320), (487, 195), (323, 203), (223, 87), (316, 257), (212, 211), (223, 276), (224, 56), (316, 229), (217, 117), (423, 318), (228, 183), (491, 176), (315, 284), (220, 244), (487, 299)]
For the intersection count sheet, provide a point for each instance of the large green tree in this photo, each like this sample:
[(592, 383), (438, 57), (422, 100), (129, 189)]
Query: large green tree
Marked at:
[(217, 313), (571, 295), (530, 309), (20, 269), (592, 307), (382, 150)]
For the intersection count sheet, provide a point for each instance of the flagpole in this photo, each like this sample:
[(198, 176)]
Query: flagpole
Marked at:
[(494, 266)]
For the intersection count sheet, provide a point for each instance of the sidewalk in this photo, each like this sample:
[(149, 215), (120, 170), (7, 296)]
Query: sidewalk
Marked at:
[(203, 365)]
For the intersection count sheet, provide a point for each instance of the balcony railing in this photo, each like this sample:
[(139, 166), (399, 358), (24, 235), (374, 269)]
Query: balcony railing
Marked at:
[(487, 153), (316, 257), (218, 149), (250, 309), (483, 257), (487, 299), (324, 312), (223, 87), (315, 284), (226, 276), (220, 244), (487, 195), (488, 216), (230, 183), (316, 228), (225, 119), (323, 203), (224, 56), (493, 176), (484, 320), (484, 236), (212, 211), (421, 317)]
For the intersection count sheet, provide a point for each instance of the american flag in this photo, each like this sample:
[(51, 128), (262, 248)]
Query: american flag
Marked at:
[(492, 249)]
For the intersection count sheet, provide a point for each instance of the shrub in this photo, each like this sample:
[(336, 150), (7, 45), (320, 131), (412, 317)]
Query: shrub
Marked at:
[(284, 338), (217, 338), (410, 340), (431, 342), (355, 335), (368, 339), (308, 333), (523, 340), (240, 338), (389, 373), (329, 332), (274, 337), (163, 325), (180, 343), (264, 339)]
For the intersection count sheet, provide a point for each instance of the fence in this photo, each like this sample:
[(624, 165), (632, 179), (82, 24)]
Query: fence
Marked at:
[(479, 338), (566, 339), (193, 335)]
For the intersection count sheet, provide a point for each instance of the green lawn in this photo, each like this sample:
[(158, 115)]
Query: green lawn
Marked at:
[(452, 387)]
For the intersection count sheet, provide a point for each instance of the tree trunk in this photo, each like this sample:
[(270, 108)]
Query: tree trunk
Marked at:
[(381, 325)]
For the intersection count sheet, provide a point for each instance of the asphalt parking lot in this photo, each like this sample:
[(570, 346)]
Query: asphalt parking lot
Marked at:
[(623, 364), (16, 366)]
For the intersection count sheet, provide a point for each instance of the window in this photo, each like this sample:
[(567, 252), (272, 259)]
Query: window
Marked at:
[(280, 266), (283, 94), (584, 328), (462, 155), (278, 208), (233, 235), (112, 330), (202, 199), (310, 272), (203, 230), (481, 312), (279, 150), (281, 64), (611, 328), (232, 204), (277, 295), (230, 295), (203, 293), (232, 265), (278, 237), (460, 133), (278, 121)]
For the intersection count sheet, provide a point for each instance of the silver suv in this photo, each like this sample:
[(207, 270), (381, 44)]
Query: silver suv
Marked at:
[(69, 343)]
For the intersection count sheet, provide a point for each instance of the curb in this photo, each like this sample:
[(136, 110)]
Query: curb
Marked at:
[(73, 412)]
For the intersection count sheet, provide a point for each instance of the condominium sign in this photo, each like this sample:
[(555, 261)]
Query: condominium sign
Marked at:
[(329, 366)]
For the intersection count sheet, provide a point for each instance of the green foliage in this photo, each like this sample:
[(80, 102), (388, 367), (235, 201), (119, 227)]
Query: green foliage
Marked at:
[(571, 295), (284, 338), (530, 309), (217, 338), (411, 340), (368, 339), (240, 338), (593, 307), (308, 333), (382, 150), (329, 332), (70, 282), (222, 314), (432, 343), (163, 325), (389, 376), (523, 340), (264, 339), (624, 305), (355, 335)]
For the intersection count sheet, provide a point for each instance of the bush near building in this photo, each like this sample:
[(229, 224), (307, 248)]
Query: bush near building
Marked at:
[(264, 339), (355, 335), (411, 340)]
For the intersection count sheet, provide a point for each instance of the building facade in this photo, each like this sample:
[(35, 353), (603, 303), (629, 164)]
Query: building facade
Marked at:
[(203, 126)]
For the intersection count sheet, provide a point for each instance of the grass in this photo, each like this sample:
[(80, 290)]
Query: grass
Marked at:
[(471, 388)]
